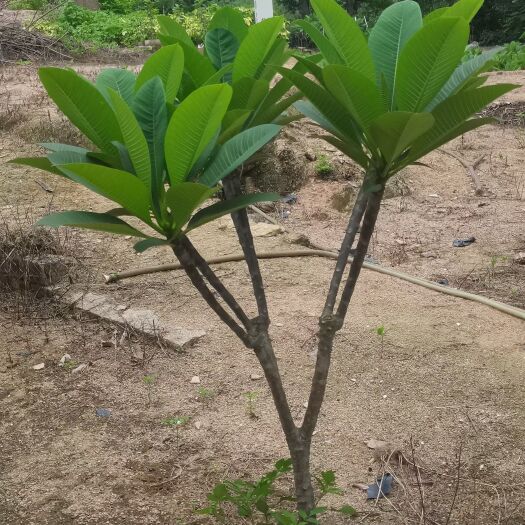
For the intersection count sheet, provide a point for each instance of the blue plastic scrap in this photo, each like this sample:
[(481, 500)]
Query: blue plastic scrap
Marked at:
[(381, 488), (461, 243), (103, 412)]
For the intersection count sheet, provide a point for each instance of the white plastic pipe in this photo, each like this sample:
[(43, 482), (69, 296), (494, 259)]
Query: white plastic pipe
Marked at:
[(263, 10)]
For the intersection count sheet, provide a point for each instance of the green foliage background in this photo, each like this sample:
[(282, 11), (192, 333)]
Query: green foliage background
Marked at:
[(130, 22)]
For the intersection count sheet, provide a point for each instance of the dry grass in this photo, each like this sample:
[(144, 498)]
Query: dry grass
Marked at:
[(11, 116), (51, 130)]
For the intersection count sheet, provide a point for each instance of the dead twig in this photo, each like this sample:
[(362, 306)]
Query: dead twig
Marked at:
[(456, 489), (471, 169)]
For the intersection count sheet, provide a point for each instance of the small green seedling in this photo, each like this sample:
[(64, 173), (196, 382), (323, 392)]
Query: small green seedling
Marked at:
[(149, 381), (69, 365), (251, 397), (324, 166), (176, 422), (205, 394), (381, 332)]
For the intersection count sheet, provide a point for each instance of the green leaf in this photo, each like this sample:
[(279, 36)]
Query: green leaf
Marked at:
[(434, 15), (169, 26), (229, 206), (466, 9), (41, 163), (221, 47), (428, 60), (255, 47), (275, 114), (198, 67), (454, 111), (168, 64), (120, 80), (82, 104), (146, 244), (220, 75), (184, 198), (322, 43), (91, 221), (346, 36), (348, 510), (134, 139), (152, 116), (394, 132), (230, 19), (393, 29), (65, 153), (325, 102), (119, 186), (461, 75), (192, 126), (358, 94), (248, 93), (236, 151)]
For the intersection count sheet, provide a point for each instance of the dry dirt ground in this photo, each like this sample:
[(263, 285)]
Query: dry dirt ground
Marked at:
[(447, 377)]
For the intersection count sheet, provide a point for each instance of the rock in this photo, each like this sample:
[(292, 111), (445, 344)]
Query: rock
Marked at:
[(519, 258), (141, 320), (79, 368), (255, 377), (40, 366), (310, 155), (299, 238), (154, 43), (195, 380), (63, 359), (376, 443), (262, 229), (198, 425), (103, 412)]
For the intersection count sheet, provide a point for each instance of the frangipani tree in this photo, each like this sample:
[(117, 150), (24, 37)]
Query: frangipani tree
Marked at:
[(166, 139)]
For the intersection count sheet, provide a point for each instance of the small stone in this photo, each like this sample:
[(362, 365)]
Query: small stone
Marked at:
[(63, 359), (519, 258), (310, 155), (482, 467), (40, 366), (79, 368), (429, 255), (198, 425), (433, 195), (305, 405), (278, 324), (255, 377), (103, 412), (107, 344), (354, 380), (261, 229), (195, 380), (385, 396)]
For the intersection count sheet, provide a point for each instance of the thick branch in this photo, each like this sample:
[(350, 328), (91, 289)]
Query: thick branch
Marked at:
[(232, 188), (215, 282), (188, 264), (367, 230), (344, 253), (330, 324)]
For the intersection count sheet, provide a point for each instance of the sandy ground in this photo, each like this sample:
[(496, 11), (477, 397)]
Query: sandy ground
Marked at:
[(448, 375)]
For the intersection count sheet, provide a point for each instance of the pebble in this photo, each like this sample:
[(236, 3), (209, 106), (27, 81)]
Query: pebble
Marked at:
[(79, 368), (40, 366), (195, 380), (385, 396), (63, 359), (198, 425), (255, 377), (520, 258)]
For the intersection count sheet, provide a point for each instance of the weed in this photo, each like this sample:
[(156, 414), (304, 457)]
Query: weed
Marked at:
[(176, 422), (381, 332), (205, 394), (149, 381), (11, 116), (69, 364), (254, 500), (323, 166), (251, 397)]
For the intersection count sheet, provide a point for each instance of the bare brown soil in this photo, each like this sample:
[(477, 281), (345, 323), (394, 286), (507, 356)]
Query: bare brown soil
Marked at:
[(449, 373)]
